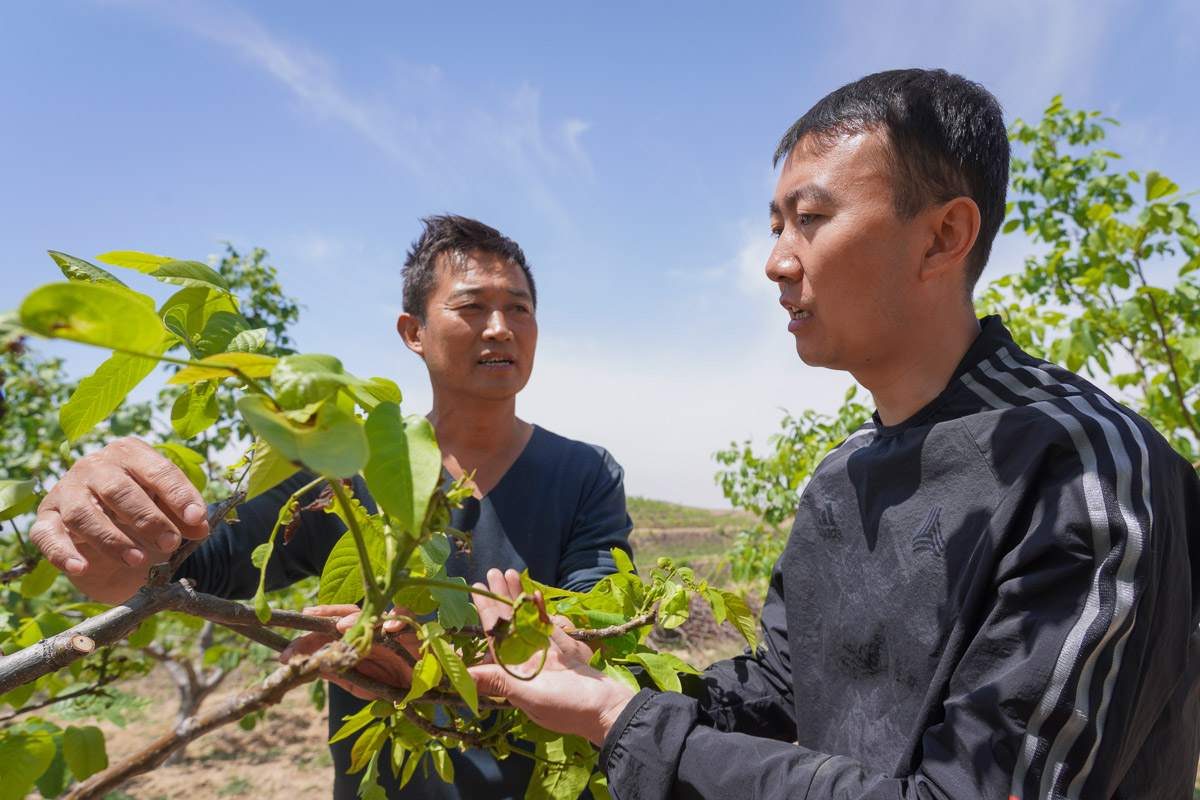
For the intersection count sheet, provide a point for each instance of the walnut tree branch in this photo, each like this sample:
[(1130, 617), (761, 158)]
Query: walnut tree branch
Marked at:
[(333, 657)]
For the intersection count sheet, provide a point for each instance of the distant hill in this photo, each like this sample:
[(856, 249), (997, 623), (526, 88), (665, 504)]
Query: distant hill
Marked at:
[(648, 513)]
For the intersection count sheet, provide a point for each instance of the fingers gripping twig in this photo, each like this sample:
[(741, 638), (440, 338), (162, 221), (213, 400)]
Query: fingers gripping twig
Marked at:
[(334, 657), (161, 573)]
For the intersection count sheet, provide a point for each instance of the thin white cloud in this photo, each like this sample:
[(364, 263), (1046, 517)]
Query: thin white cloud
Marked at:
[(415, 119)]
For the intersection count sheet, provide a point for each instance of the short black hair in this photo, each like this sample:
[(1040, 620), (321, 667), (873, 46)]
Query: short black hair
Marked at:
[(946, 138), (452, 234)]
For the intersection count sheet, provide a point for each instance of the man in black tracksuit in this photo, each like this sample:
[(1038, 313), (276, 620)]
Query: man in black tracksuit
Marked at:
[(990, 589)]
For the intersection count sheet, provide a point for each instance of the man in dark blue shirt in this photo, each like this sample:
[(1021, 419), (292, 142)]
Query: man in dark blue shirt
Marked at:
[(541, 502)]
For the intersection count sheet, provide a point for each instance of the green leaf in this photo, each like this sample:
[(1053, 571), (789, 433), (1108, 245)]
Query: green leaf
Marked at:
[(442, 764), (248, 341), (341, 579), (740, 615), (622, 675), (189, 462), (308, 378), (1158, 186), (384, 390), (369, 788), (454, 608), (39, 580), (222, 365), (673, 609), (220, 331), (1011, 225), (377, 709), (99, 394), (262, 608), (405, 465), (190, 273), (92, 314), (84, 750), (558, 774), (260, 555), (195, 409), (57, 775), (80, 271), (17, 497), (23, 759), (144, 634), (717, 603), (1099, 212), (659, 669), (454, 669), (330, 443), (598, 786), (517, 640), (130, 259), (268, 469), (624, 564), (368, 744), (426, 675)]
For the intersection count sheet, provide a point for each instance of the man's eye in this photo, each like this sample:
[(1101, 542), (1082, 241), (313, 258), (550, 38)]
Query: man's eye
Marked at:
[(805, 219), (775, 232)]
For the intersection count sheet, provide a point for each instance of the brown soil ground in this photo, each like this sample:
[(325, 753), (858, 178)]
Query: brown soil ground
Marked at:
[(284, 756)]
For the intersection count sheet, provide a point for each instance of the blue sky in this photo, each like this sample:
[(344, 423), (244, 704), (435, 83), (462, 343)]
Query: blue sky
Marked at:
[(627, 147)]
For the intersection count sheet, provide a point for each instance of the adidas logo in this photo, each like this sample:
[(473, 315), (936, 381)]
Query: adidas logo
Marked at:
[(929, 539), (827, 524)]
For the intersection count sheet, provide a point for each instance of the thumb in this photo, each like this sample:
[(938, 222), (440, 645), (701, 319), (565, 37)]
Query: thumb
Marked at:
[(490, 679)]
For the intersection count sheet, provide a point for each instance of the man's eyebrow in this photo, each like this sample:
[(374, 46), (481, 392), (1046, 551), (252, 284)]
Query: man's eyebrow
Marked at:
[(805, 191), (469, 291)]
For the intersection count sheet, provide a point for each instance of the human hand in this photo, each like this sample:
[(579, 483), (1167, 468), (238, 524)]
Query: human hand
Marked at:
[(567, 695), (381, 664), (116, 513)]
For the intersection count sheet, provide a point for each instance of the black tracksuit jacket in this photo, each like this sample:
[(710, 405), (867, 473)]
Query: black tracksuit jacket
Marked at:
[(996, 598)]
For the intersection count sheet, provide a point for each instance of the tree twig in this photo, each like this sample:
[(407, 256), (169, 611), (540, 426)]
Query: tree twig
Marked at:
[(333, 657), (20, 570)]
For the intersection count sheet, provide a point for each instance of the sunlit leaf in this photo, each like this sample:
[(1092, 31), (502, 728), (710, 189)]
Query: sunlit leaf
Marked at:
[(518, 639), (673, 608), (92, 314), (341, 579), (248, 341), (76, 269), (99, 394), (456, 671), (17, 497), (268, 469), (368, 743), (222, 365), (130, 259), (195, 409), (426, 675), (190, 273), (306, 378), (405, 464), (188, 460), (659, 669)]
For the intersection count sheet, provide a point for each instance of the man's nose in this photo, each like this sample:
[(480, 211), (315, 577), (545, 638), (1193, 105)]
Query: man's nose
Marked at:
[(782, 265), (497, 327)]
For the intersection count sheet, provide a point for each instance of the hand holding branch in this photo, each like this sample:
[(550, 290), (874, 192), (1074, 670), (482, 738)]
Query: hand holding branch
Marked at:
[(566, 695)]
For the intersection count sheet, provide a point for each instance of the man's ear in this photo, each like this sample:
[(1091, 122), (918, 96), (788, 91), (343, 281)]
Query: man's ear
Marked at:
[(955, 227), (412, 331)]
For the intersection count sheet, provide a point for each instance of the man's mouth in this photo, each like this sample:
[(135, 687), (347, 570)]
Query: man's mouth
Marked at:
[(495, 361), (797, 313)]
